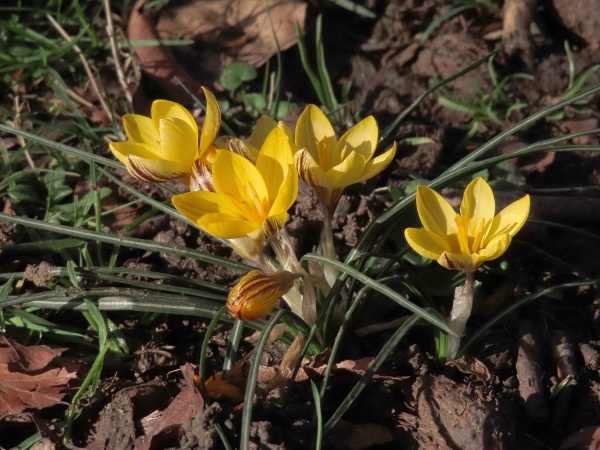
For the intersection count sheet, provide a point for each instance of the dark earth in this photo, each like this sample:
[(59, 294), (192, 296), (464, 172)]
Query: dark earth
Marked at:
[(506, 393)]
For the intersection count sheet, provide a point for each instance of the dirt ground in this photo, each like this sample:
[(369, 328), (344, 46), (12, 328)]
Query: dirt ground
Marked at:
[(505, 393)]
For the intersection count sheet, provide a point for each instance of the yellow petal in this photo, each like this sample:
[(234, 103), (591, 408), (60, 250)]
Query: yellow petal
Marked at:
[(257, 293), (123, 149), (177, 141), (312, 128), (289, 133), (212, 121), (164, 109), (435, 212), (378, 164), (348, 171), (263, 127), (226, 226), (466, 263), (510, 219), (271, 226), (155, 171), (426, 243), (194, 205), (361, 138), (310, 171), (478, 204), (235, 175), (140, 129), (286, 194), (496, 247), (274, 161)]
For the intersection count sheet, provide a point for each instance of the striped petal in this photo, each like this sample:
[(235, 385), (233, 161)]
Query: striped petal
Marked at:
[(123, 149), (244, 149), (466, 263), (155, 171), (361, 138), (271, 226), (202, 177), (212, 121), (378, 164), (313, 127), (310, 171), (140, 129), (257, 293)]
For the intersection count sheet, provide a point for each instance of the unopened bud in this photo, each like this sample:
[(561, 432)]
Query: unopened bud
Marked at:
[(257, 293)]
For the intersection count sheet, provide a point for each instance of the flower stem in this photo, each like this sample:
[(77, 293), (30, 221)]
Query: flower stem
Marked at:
[(327, 242), (461, 311)]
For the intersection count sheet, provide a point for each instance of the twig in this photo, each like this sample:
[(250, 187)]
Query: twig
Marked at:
[(86, 65), (110, 30), (17, 124)]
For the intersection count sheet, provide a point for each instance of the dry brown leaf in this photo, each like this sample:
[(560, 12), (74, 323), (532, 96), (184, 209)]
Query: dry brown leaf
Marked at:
[(40, 389), (585, 438), (158, 62), (245, 29), (184, 406), (471, 366), (22, 358)]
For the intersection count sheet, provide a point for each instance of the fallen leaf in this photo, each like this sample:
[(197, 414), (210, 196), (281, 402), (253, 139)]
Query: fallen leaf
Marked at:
[(471, 366), (247, 30), (22, 358), (184, 406), (585, 438), (158, 62), (40, 389)]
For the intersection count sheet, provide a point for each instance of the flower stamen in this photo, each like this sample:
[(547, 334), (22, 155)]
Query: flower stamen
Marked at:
[(480, 232)]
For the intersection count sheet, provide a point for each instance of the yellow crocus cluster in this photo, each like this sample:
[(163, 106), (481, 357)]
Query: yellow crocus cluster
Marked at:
[(241, 190)]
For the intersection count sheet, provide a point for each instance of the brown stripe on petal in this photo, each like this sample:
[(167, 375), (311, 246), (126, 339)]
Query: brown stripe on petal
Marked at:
[(257, 293), (202, 178), (142, 172), (243, 149)]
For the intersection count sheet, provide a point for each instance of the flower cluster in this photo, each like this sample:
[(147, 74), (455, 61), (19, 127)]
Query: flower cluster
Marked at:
[(242, 190)]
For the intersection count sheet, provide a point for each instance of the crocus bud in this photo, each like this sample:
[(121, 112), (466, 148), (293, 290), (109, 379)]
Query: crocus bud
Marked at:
[(257, 293)]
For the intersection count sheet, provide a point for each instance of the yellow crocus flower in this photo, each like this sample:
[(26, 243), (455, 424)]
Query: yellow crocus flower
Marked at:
[(163, 147), (465, 241), (329, 165), (248, 199)]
